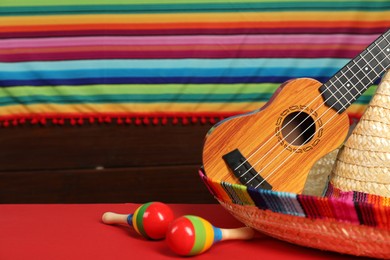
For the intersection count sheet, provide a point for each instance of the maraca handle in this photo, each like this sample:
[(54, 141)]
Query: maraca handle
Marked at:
[(115, 218), (243, 233)]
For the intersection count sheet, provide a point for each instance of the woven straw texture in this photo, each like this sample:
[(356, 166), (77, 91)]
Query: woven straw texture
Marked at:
[(363, 164), (346, 222), (323, 234), (318, 176), (354, 215)]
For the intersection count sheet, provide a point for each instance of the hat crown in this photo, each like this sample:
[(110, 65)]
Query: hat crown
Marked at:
[(363, 163)]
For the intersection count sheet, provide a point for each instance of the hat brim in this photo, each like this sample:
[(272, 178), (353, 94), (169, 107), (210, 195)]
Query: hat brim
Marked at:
[(326, 223)]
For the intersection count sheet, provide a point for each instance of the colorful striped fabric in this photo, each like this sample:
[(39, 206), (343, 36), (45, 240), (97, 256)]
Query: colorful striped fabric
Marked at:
[(352, 207), (127, 59)]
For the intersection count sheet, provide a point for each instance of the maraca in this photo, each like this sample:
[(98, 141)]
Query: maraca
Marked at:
[(150, 220), (192, 235)]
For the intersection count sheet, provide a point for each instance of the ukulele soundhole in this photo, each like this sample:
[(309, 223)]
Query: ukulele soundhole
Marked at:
[(298, 128)]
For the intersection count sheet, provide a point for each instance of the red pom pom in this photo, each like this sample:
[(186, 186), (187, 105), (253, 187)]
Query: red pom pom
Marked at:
[(164, 121), (146, 121), (185, 121)]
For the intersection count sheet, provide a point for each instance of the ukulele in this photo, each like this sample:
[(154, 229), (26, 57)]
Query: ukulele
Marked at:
[(276, 146)]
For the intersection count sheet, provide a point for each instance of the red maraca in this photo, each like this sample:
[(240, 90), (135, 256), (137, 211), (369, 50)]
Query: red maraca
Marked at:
[(192, 235), (151, 220)]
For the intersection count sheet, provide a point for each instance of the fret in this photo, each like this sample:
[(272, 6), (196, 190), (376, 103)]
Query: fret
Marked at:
[(372, 73), (352, 90), (336, 96), (361, 75), (382, 44), (353, 79), (375, 65), (379, 55), (329, 90), (350, 86), (344, 91), (386, 39)]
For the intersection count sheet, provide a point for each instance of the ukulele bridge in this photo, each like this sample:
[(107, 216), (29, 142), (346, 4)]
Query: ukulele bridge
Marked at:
[(242, 169)]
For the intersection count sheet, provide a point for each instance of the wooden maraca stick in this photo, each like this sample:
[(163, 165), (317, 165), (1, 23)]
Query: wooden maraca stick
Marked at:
[(192, 235), (150, 220), (243, 233), (115, 218)]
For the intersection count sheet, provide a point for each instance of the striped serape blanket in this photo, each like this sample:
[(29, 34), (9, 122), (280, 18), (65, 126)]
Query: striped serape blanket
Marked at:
[(190, 60)]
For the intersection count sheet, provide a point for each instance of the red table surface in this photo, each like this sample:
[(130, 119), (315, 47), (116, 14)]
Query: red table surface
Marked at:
[(75, 231)]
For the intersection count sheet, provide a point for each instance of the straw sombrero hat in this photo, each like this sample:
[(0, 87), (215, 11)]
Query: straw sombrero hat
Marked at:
[(363, 163), (354, 215)]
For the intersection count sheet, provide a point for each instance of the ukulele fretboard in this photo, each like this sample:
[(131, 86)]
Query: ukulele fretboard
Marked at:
[(349, 83)]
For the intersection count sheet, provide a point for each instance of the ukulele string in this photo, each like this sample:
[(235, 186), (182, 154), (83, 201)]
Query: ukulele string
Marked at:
[(258, 149), (287, 124), (292, 120), (361, 57), (291, 154), (308, 128), (312, 123)]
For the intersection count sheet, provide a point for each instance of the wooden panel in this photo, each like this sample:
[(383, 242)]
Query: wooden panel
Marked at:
[(168, 184), (99, 146), (102, 163)]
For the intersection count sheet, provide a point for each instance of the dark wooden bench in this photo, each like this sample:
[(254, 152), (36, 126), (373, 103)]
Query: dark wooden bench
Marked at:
[(102, 163)]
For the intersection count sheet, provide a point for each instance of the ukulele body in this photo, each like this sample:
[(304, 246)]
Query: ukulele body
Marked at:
[(280, 142)]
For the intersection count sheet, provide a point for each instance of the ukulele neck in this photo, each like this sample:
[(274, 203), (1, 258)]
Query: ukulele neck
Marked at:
[(349, 83)]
